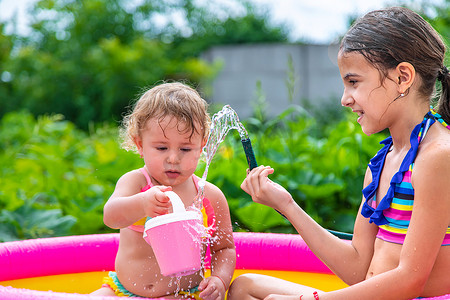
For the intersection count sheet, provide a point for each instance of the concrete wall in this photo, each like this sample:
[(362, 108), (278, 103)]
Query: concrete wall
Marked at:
[(315, 68)]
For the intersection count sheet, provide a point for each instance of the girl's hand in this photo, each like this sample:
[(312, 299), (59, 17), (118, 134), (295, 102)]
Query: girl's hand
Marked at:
[(265, 191), (156, 202), (212, 288)]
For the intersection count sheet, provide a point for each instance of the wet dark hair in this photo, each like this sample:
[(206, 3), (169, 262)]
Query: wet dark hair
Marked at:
[(393, 35)]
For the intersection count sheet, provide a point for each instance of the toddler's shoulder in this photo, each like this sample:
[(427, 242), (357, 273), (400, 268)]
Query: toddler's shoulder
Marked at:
[(133, 178), (213, 193), (133, 174)]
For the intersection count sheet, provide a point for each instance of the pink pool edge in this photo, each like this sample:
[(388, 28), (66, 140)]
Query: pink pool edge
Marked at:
[(90, 253)]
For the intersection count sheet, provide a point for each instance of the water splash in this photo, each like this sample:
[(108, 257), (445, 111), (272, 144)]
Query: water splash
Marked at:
[(222, 122)]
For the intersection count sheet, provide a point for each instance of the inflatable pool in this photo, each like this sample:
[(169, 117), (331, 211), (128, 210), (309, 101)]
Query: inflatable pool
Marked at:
[(72, 267)]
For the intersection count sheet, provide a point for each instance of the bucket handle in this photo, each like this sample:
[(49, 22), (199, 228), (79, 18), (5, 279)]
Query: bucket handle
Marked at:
[(177, 203)]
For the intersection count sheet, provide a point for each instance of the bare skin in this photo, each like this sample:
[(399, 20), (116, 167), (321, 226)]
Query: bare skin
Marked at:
[(374, 269)]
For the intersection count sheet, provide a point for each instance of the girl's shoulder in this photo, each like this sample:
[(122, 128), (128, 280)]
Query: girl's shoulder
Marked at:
[(433, 158), (436, 144)]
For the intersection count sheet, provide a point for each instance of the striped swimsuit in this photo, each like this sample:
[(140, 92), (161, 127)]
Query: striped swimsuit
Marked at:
[(393, 213)]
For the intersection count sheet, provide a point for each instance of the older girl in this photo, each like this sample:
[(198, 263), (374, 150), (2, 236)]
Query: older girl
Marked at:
[(389, 61)]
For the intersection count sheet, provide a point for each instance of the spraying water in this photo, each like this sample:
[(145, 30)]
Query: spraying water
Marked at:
[(222, 122)]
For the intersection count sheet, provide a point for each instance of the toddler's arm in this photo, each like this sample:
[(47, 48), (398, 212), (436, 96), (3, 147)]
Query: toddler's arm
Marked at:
[(223, 253), (128, 205)]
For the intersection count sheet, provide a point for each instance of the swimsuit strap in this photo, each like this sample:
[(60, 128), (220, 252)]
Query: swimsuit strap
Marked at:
[(438, 118), (376, 164), (195, 179), (147, 177)]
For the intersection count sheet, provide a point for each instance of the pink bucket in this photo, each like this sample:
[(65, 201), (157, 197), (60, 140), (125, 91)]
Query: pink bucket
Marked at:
[(176, 239)]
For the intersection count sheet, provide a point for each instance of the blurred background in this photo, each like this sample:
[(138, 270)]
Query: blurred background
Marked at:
[(70, 70)]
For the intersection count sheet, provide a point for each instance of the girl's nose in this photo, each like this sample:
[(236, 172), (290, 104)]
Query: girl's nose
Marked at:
[(346, 100)]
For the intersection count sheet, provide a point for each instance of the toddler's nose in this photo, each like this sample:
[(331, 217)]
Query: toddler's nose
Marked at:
[(173, 157)]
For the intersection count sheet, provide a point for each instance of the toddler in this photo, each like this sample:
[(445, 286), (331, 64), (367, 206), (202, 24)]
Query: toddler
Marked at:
[(168, 127)]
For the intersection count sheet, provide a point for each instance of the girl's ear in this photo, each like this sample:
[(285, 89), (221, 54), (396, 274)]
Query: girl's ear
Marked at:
[(406, 75)]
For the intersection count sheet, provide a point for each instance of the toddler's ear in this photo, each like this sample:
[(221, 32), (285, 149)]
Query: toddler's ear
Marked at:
[(138, 142), (204, 142)]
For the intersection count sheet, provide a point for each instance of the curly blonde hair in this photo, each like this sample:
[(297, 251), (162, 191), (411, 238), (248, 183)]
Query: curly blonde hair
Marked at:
[(168, 99)]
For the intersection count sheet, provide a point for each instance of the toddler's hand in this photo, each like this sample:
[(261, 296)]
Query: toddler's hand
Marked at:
[(156, 202), (212, 288)]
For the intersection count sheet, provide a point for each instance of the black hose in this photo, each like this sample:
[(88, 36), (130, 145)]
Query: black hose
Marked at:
[(251, 160)]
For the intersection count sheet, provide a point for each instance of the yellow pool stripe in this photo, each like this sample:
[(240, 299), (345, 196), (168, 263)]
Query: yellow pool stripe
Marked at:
[(85, 283)]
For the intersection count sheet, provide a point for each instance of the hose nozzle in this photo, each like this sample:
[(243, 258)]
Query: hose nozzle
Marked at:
[(251, 160)]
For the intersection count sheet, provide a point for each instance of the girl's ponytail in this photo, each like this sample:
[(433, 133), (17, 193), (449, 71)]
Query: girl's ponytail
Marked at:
[(443, 107)]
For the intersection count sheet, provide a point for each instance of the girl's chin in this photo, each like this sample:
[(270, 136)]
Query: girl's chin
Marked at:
[(369, 131)]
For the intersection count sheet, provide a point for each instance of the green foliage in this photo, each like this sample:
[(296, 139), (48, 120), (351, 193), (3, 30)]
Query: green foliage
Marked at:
[(87, 60), (30, 222), (56, 178), (211, 29), (438, 14), (47, 163)]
